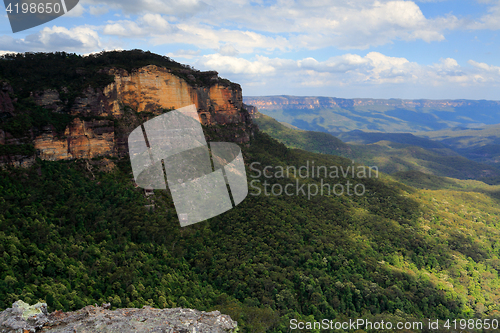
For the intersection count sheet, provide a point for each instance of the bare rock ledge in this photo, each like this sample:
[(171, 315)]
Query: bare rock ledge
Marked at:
[(23, 318)]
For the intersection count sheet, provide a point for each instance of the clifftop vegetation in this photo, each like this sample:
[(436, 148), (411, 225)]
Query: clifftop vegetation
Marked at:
[(37, 71)]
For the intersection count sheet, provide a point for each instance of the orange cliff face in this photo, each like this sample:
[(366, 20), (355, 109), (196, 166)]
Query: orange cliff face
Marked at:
[(153, 88), (149, 89), (82, 139)]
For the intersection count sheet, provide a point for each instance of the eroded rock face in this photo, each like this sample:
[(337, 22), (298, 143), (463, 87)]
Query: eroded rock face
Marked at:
[(23, 318), (149, 89), (153, 88), (49, 99), (82, 139)]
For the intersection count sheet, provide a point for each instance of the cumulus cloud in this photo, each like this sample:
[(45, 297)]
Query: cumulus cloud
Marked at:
[(98, 10), (350, 75), (485, 73), (374, 69), (316, 24), (243, 40), (146, 25), (235, 65), (228, 50), (245, 26), (448, 67), (79, 39), (160, 31), (490, 21), (285, 25), (186, 54), (169, 7)]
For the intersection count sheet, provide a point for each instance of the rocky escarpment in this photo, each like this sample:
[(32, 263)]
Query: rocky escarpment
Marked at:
[(312, 102), (102, 118), (152, 88), (93, 319)]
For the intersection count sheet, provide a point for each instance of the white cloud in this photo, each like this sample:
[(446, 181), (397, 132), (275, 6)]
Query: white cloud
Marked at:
[(160, 32), (170, 7), (237, 65), (79, 39), (147, 25), (98, 10), (245, 26), (208, 37), (489, 21), (484, 66), (353, 24), (228, 50), (186, 54), (124, 29), (374, 70), (286, 25)]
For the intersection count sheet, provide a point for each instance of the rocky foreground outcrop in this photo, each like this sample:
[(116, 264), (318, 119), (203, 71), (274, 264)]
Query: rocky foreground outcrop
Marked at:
[(23, 318)]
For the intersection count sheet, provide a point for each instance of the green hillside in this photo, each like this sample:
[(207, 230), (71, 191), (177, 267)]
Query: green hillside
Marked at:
[(395, 253), (316, 142), (461, 137), (480, 144), (389, 157)]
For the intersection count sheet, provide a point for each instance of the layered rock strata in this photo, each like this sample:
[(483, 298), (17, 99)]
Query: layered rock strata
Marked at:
[(105, 117)]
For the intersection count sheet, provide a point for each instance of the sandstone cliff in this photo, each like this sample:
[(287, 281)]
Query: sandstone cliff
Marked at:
[(153, 88), (93, 319), (103, 117)]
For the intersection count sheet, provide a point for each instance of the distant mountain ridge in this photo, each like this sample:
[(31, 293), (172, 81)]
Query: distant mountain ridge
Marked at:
[(309, 102), (330, 114)]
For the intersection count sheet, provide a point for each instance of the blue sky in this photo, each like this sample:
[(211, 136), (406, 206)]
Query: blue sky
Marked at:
[(372, 49)]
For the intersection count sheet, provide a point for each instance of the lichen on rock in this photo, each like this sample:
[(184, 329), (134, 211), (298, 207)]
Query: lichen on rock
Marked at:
[(23, 317)]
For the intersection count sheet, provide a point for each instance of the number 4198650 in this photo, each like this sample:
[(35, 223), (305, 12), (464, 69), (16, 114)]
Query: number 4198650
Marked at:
[(471, 324), (40, 8)]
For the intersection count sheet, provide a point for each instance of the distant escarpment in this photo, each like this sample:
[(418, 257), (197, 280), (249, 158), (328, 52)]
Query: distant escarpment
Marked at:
[(340, 115), (312, 102), (71, 107)]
